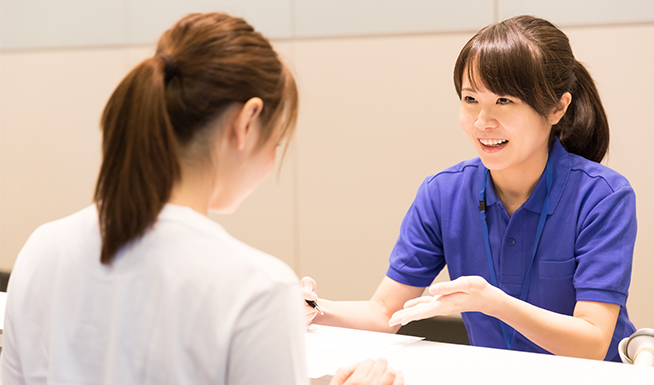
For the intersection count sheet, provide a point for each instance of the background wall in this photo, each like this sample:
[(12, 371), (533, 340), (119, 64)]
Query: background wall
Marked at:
[(378, 114)]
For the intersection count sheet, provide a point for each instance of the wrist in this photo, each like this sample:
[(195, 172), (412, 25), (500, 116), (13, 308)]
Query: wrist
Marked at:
[(496, 302)]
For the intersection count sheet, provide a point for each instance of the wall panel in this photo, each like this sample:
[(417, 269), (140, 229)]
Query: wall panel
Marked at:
[(50, 106), (63, 23), (144, 24), (367, 17), (580, 12)]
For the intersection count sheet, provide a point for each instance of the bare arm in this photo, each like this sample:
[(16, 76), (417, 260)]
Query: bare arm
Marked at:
[(586, 334), (373, 314)]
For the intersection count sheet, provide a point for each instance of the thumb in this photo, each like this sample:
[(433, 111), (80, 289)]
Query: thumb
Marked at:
[(309, 288), (309, 283)]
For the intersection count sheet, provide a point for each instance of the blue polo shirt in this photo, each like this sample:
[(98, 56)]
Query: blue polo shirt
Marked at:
[(585, 253)]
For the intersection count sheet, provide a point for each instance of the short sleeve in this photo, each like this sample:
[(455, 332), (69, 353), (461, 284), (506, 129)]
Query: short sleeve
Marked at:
[(268, 345), (417, 257), (604, 249), (22, 317)]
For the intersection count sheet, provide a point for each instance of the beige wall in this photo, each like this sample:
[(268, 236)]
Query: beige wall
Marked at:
[(378, 115)]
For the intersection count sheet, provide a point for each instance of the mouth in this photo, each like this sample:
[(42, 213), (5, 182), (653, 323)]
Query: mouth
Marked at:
[(493, 143)]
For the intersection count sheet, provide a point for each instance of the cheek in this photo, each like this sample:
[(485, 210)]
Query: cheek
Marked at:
[(466, 120)]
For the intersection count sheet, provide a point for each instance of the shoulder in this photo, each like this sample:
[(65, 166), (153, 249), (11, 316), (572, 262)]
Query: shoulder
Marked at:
[(208, 250), (595, 177), (81, 226), (86, 218), (454, 178), (462, 171)]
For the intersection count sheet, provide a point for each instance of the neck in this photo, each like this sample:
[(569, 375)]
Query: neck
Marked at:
[(514, 186), (193, 189)]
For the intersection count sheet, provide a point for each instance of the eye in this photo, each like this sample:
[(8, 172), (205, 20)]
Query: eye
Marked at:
[(504, 101), (469, 99)]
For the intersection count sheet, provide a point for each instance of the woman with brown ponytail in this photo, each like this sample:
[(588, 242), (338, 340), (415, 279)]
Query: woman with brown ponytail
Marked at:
[(537, 235), (143, 288)]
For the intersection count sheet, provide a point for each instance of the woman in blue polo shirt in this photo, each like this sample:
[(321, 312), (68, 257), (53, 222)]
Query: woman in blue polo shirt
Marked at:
[(537, 235)]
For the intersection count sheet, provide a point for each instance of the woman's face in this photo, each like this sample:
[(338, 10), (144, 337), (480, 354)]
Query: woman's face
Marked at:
[(507, 133)]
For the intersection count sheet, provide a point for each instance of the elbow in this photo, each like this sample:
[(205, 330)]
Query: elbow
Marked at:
[(597, 348), (383, 312)]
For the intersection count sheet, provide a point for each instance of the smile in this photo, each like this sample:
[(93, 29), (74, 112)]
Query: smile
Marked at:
[(493, 142)]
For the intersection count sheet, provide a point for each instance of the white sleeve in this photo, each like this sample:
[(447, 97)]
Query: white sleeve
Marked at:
[(268, 344), (12, 372)]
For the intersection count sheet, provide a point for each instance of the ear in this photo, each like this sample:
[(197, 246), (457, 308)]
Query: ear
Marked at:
[(560, 109), (246, 122)]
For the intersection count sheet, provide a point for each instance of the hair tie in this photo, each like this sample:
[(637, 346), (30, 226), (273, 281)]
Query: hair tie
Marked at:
[(170, 67)]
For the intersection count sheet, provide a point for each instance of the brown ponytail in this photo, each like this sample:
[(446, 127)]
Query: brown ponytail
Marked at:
[(584, 129), (204, 63), (531, 59)]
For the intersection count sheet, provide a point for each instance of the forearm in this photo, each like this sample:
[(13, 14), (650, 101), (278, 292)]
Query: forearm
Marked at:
[(365, 315), (573, 336)]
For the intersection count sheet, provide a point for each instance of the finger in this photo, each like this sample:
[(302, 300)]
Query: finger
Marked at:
[(417, 301), (378, 369), (399, 378), (388, 378), (309, 282), (361, 371), (417, 312), (308, 294), (309, 316), (342, 374), (458, 285)]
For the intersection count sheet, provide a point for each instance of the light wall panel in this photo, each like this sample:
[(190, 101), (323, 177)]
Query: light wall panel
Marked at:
[(368, 17), (378, 116), (62, 23), (148, 19), (50, 106), (580, 12), (617, 58)]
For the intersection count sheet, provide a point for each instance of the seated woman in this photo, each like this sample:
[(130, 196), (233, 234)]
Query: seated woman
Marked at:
[(537, 235), (142, 287)]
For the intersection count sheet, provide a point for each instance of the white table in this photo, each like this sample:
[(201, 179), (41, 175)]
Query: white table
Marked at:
[(439, 363)]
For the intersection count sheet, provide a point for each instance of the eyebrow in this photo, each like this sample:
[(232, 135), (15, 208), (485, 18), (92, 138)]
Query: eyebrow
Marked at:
[(468, 89)]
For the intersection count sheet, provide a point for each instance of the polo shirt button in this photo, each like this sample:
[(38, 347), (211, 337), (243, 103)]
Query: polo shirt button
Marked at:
[(511, 241)]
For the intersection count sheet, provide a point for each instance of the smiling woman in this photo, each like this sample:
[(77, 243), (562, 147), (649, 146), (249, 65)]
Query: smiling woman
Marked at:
[(538, 237)]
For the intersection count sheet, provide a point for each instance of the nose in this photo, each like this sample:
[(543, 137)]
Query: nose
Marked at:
[(485, 120)]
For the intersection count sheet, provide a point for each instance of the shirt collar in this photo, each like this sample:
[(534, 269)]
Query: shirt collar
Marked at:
[(561, 164)]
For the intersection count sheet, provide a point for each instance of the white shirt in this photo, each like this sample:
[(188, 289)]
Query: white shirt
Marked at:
[(184, 304)]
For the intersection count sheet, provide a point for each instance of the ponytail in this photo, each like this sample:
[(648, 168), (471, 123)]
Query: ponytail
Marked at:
[(140, 161), (584, 129)]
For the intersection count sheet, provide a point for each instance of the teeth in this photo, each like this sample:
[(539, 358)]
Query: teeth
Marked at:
[(492, 142)]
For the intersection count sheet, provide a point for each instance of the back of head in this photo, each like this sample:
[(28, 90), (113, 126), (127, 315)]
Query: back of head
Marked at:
[(531, 59), (203, 64)]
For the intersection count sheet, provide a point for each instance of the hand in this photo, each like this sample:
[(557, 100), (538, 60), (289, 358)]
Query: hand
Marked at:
[(368, 372), (470, 293), (309, 289)]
